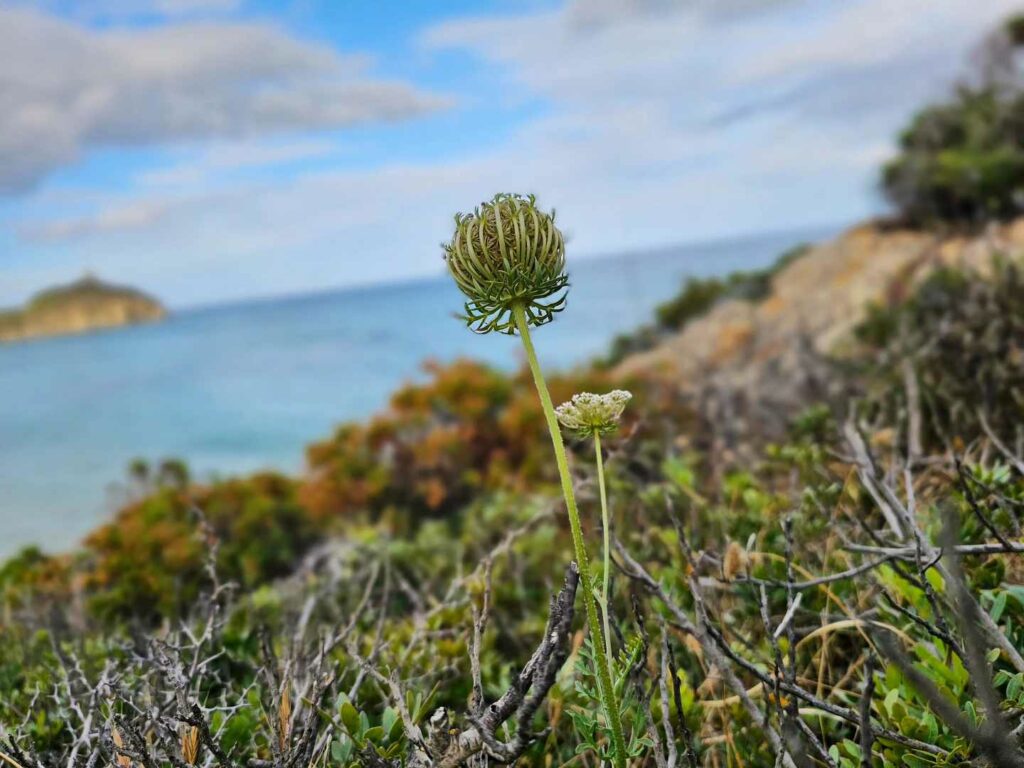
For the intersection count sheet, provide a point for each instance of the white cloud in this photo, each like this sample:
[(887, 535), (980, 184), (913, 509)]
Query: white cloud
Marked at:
[(181, 7), (328, 228), (702, 61), (124, 10), (65, 89), (226, 157), (585, 16), (127, 216), (661, 122)]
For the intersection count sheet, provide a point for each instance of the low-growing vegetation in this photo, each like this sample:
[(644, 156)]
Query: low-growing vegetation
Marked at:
[(851, 598), (848, 593)]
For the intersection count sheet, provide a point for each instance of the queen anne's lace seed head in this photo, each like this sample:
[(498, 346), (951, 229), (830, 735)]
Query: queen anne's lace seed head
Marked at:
[(508, 252), (588, 413)]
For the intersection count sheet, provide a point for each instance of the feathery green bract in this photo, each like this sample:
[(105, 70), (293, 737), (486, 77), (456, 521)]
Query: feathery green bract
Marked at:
[(508, 252)]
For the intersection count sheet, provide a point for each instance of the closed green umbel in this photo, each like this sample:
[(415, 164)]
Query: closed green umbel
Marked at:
[(508, 252)]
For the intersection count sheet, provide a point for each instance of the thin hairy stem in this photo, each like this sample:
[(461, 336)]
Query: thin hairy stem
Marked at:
[(601, 660), (606, 527)]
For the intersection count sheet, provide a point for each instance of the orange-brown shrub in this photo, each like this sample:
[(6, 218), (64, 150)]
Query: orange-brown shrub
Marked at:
[(148, 561), (469, 428)]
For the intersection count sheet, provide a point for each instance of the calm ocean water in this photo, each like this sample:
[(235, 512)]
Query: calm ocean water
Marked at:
[(246, 386)]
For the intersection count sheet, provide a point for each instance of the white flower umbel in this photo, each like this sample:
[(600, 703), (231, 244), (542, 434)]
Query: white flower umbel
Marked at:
[(589, 414)]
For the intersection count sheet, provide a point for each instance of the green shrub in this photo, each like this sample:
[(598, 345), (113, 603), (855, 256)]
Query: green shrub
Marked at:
[(962, 335), (962, 162), (149, 562)]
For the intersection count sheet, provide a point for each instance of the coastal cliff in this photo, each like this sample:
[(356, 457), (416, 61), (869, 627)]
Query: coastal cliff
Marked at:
[(815, 301), (755, 363), (85, 305)]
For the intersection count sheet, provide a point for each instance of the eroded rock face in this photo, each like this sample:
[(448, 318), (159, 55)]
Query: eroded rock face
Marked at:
[(82, 306), (820, 298), (760, 362)]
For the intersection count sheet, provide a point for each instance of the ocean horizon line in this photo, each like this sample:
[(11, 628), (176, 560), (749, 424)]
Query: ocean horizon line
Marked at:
[(820, 230)]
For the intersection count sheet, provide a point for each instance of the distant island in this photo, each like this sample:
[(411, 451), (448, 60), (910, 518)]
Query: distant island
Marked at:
[(85, 305)]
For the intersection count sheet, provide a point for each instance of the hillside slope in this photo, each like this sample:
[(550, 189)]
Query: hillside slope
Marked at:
[(813, 306)]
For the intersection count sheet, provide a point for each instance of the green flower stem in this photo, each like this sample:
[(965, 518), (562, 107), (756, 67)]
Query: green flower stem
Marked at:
[(606, 525), (600, 657)]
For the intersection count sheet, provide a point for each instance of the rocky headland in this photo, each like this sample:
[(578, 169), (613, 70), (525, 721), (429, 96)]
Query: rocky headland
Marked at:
[(88, 304)]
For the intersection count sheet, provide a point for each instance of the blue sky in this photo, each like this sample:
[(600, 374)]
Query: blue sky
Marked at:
[(214, 150)]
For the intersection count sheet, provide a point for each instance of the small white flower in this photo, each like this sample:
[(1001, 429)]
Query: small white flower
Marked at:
[(588, 413)]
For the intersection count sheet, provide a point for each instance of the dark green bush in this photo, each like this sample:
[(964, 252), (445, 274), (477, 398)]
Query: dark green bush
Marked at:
[(962, 162)]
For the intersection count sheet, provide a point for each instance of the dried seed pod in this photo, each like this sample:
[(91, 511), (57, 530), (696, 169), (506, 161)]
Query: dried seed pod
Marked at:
[(190, 744), (734, 561), (693, 646), (284, 717), (508, 252), (712, 685), (123, 761)]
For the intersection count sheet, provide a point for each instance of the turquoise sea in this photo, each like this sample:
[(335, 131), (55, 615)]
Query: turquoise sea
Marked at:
[(240, 387)]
